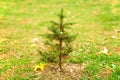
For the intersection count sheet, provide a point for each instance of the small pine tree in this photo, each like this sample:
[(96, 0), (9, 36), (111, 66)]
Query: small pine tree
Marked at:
[(58, 41)]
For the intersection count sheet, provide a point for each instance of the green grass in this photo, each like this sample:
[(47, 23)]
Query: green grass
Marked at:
[(23, 20)]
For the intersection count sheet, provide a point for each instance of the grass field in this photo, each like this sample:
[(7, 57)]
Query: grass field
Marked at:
[(97, 28)]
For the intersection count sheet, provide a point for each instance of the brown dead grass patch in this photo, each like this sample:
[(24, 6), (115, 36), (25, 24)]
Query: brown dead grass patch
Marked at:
[(105, 73), (70, 72)]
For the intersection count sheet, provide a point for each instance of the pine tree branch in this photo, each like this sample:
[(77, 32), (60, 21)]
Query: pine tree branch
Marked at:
[(55, 23)]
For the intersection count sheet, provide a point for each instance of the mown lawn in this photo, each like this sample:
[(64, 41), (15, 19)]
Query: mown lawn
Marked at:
[(97, 28)]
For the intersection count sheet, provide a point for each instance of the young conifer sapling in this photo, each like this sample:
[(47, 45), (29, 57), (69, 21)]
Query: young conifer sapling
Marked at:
[(59, 41)]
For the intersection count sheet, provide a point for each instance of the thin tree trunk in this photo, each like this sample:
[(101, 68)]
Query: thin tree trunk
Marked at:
[(60, 55), (60, 41)]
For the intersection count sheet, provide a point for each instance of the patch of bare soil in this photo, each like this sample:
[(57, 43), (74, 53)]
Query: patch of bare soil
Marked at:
[(69, 72)]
